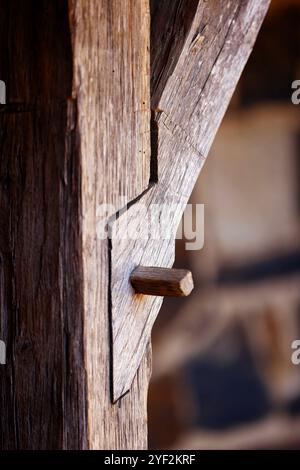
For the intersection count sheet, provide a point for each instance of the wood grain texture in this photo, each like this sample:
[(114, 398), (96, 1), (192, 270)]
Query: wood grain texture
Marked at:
[(61, 158), (112, 86), (74, 135), (42, 386), (163, 282), (188, 110), (42, 399)]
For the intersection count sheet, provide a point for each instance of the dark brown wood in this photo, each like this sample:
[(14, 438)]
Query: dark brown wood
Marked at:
[(75, 133), (67, 96), (205, 46), (162, 281), (42, 397)]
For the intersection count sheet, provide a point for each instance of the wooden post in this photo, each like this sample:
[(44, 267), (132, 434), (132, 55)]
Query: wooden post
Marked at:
[(74, 135)]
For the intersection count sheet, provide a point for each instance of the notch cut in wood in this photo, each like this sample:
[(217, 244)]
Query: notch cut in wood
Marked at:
[(162, 282)]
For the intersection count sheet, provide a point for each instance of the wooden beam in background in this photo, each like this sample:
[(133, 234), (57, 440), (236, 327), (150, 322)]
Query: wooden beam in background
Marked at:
[(75, 133)]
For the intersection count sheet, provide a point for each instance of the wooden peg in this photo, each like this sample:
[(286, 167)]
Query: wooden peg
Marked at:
[(162, 281)]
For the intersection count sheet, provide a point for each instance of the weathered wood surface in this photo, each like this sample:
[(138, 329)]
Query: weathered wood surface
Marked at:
[(42, 397), (112, 86), (75, 134), (67, 145), (191, 90)]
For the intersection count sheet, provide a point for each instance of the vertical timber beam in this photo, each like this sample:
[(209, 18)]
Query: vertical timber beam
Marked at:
[(74, 136), (111, 83), (42, 398)]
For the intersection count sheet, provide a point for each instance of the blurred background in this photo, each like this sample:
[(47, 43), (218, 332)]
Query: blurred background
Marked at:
[(222, 372)]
